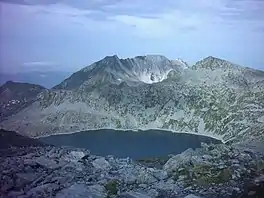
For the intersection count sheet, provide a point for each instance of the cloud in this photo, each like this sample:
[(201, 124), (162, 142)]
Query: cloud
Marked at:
[(74, 32), (161, 26), (39, 63), (39, 66), (157, 19)]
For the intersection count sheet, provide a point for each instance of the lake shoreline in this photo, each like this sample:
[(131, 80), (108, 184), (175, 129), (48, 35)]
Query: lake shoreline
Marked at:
[(138, 131)]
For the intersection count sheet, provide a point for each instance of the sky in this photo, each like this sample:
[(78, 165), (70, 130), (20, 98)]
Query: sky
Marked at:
[(66, 35)]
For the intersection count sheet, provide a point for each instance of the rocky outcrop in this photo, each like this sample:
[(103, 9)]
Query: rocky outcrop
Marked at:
[(208, 172)]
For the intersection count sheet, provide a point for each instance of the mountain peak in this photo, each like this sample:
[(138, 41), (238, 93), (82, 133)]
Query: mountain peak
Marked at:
[(112, 70), (212, 58), (111, 57), (14, 83), (213, 63), (152, 57)]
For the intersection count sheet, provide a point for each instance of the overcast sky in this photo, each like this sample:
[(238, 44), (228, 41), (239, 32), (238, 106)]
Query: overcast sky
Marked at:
[(68, 35)]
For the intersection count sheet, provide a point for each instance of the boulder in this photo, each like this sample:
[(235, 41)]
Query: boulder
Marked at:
[(132, 194), (178, 160), (47, 163), (82, 191), (191, 196), (44, 190), (102, 164), (75, 156)]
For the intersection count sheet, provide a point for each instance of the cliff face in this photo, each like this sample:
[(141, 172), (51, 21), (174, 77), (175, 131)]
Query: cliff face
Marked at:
[(213, 97)]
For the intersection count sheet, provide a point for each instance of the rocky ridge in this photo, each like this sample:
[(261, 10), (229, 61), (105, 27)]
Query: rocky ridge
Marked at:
[(213, 97), (62, 172), (15, 96)]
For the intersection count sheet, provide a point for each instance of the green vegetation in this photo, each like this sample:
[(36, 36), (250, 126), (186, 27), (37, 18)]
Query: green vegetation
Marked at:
[(118, 124), (217, 178), (202, 175), (260, 165), (112, 187), (181, 172), (201, 169), (153, 161)]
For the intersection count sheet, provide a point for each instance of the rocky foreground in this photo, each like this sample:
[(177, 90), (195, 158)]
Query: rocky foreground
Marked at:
[(63, 172)]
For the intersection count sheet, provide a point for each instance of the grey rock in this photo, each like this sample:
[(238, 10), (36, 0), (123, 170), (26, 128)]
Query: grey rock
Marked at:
[(128, 177), (27, 176), (207, 157), (82, 191), (153, 193), (47, 163), (177, 161), (101, 164), (192, 196), (74, 165), (44, 190), (133, 194), (234, 161), (145, 177), (6, 183), (169, 185), (259, 179), (15, 194), (158, 174), (75, 156)]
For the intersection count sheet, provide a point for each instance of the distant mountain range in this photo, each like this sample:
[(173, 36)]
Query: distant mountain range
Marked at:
[(45, 79), (213, 97), (15, 96)]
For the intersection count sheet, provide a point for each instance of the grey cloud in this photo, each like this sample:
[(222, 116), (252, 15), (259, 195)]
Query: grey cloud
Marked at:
[(259, 29), (38, 63), (25, 2), (81, 4), (245, 10), (234, 10)]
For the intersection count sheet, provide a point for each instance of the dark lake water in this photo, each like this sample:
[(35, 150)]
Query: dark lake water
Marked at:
[(150, 143)]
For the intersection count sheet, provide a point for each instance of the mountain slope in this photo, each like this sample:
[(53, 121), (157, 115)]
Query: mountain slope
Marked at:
[(10, 139), (141, 69), (15, 96), (214, 97), (46, 79)]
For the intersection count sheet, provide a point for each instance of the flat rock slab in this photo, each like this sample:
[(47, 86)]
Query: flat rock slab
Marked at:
[(48, 163), (28, 176), (132, 194), (101, 163), (191, 196), (82, 191)]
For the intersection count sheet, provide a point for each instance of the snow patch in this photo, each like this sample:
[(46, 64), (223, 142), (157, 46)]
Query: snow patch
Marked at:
[(150, 77)]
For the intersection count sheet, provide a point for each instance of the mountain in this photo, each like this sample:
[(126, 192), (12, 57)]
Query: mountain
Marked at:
[(214, 97), (46, 79), (112, 70), (15, 96)]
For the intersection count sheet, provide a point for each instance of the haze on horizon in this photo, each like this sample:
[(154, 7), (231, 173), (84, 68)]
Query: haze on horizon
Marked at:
[(63, 35)]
